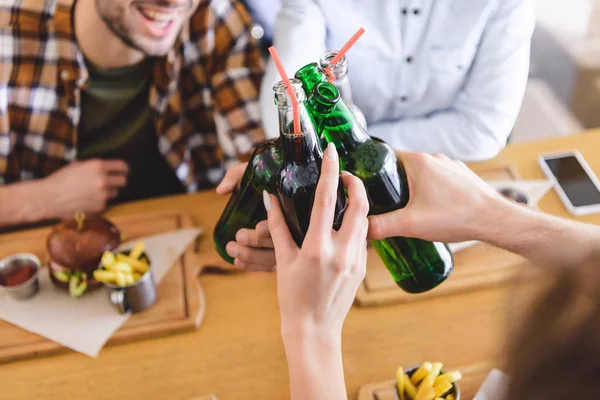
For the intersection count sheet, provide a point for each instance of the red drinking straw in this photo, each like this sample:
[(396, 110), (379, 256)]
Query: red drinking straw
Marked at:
[(288, 85), (343, 52)]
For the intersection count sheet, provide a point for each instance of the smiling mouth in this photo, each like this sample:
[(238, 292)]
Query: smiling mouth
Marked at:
[(160, 19)]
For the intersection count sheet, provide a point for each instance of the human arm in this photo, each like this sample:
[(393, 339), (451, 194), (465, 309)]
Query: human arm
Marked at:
[(542, 238), (300, 32), (316, 284), (449, 203), (81, 186), (483, 114), (22, 204)]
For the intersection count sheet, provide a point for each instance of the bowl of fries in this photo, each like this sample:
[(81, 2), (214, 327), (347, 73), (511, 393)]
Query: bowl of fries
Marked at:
[(128, 276), (427, 382)]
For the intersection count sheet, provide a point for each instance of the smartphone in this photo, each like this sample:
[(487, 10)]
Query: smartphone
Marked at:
[(574, 181)]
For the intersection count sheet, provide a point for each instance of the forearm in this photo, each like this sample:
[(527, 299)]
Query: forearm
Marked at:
[(315, 366), (544, 239), (22, 203)]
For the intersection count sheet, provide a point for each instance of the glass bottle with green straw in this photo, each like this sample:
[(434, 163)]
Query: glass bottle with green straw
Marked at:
[(416, 265)]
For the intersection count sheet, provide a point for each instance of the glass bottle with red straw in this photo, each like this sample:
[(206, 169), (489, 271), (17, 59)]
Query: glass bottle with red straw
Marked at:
[(302, 157), (334, 67)]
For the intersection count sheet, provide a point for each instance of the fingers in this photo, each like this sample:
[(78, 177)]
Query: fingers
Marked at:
[(113, 167), (321, 219), (285, 247), (395, 223), (251, 267), (115, 181), (251, 259), (355, 221), (113, 193), (231, 179), (259, 237), (462, 164)]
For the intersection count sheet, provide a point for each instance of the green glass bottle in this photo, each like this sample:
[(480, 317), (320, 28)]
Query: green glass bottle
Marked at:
[(245, 207), (416, 265), (301, 167)]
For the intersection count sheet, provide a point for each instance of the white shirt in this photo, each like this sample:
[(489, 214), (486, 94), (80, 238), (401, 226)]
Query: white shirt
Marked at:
[(437, 76)]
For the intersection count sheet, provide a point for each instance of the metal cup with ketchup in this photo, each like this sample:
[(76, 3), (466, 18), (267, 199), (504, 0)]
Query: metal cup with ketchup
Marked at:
[(75, 248), (19, 275)]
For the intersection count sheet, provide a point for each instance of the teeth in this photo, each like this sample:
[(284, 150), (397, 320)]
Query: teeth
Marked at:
[(158, 16), (161, 24)]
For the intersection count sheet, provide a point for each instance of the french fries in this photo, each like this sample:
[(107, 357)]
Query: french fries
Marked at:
[(453, 376), (122, 269), (400, 382), (442, 388), (421, 372), (137, 251), (427, 382), (409, 388), (103, 275), (137, 265)]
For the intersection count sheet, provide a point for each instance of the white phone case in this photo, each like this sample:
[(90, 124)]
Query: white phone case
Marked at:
[(579, 211)]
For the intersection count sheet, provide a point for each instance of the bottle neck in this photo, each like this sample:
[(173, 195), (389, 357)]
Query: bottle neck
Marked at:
[(343, 86), (343, 129), (340, 75), (335, 119), (299, 148), (310, 75)]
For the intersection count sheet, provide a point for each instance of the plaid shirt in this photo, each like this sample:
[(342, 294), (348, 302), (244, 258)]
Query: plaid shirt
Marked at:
[(203, 94)]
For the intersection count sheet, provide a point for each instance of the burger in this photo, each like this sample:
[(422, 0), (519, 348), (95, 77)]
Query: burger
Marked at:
[(75, 248)]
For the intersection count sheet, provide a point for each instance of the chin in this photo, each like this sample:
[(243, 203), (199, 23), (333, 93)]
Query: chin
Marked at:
[(153, 47), (156, 50)]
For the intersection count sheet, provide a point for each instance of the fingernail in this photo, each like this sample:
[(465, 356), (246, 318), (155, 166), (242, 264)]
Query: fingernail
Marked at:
[(267, 201), (232, 249), (241, 237), (346, 173), (331, 152)]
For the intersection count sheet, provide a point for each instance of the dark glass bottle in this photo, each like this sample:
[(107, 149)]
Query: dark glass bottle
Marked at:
[(300, 170), (416, 265), (245, 208)]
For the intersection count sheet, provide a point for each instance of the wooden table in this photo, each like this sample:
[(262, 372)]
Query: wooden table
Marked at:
[(238, 354)]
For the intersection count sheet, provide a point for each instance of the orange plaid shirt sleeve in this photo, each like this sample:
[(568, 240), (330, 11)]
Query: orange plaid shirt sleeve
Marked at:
[(203, 95)]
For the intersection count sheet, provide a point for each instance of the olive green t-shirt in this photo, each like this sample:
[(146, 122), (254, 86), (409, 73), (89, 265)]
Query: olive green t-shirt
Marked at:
[(116, 124)]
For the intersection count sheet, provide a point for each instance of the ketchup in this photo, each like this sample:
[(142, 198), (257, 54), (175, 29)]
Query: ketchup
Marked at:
[(21, 273)]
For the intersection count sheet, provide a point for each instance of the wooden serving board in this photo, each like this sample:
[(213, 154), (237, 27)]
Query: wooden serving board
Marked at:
[(180, 305), (477, 267), (473, 377)]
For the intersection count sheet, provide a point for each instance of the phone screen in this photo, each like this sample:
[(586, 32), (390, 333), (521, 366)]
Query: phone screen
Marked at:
[(574, 181)]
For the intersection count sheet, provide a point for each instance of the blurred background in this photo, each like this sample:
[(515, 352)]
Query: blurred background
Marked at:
[(563, 94)]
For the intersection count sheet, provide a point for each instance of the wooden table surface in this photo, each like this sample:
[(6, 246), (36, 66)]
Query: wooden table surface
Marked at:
[(238, 354)]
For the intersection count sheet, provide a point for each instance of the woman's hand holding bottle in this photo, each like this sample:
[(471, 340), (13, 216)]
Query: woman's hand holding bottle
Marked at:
[(317, 283)]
